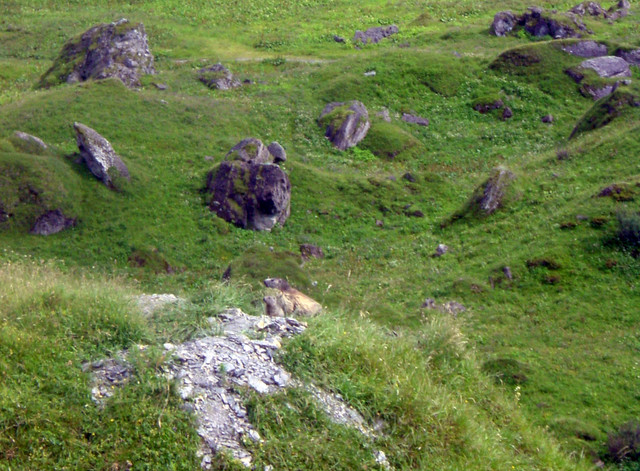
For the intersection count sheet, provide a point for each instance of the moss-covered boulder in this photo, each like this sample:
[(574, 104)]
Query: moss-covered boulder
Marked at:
[(617, 104), (388, 141), (218, 77), (248, 189), (345, 124), (118, 49)]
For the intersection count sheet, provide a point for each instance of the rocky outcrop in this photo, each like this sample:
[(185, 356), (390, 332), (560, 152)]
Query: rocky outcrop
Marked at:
[(218, 77), (503, 23), (586, 49), (52, 222), (605, 67), (608, 66), (118, 49), (248, 189), (490, 196), (345, 124), (374, 35), (632, 57), (99, 156), (538, 23), (590, 8), (413, 119)]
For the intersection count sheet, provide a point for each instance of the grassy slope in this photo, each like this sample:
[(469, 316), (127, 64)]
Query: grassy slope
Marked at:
[(575, 329)]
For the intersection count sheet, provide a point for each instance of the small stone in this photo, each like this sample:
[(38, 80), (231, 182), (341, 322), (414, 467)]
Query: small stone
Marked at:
[(278, 152), (31, 140), (209, 158), (375, 34), (384, 115), (441, 250), (409, 177), (254, 436), (548, 119), (507, 113), (257, 384), (379, 223), (339, 39), (371, 73), (309, 251), (160, 86), (99, 156), (413, 119), (52, 222), (507, 273)]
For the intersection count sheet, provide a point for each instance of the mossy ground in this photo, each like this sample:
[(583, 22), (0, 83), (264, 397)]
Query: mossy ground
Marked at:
[(574, 327)]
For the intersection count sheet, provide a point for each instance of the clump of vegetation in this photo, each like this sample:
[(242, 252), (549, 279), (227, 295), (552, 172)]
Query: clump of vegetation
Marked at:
[(604, 111), (388, 141), (624, 446), (629, 228)]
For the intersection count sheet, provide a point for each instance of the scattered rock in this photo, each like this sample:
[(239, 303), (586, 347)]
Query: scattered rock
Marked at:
[(507, 113), (379, 223), (149, 303), (371, 73), (608, 66), (346, 124), (30, 141), (507, 273), (620, 191), (419, 120), (118, 49), (278, 152), (375, 35), (441, 250), (538, 24), (492, 192), (409, 177), (291, 300), (99, 156), (620, 10), (248, 189), (160, 86), (384, 115), (589, 8), (209, 158), (309, 251), (484, 108), (450, 307), (52, 222), (381, 459), (586, 49), (339, 39), (548, 119), (503, 23), (218, 77)]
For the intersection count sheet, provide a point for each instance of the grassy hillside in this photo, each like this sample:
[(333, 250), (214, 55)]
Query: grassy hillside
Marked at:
[(563, 331)]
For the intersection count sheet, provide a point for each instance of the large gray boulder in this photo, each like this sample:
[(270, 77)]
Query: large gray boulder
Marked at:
[(346, 124), (218, 77), (251, 193), (52, 222), (375, 35), (503, 23), (608, 66), (118, 49), (586, 49), (99, 156)]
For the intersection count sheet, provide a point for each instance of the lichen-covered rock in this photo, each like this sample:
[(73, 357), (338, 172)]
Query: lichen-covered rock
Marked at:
[(413, 119), (218, 77), (309, 251), (608, 66), (29, 141), (250, 192), (99, 156), (375, 35), (52, 222), (118, 49), (503, 23), (586, 49), (278, 152), (346, 124), (491, 194)]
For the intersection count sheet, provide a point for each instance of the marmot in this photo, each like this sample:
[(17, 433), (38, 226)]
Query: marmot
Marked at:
[(288, 300)]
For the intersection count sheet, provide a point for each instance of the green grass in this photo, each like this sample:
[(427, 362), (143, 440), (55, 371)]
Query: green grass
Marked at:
[(571, 330)]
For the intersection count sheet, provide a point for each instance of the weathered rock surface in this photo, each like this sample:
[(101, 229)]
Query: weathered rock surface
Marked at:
[(52, 222), (118, 49), (632, 57), (309, 251), (503, 23), (491, 194), (278, 152), (449, 307), (507, 113), (413, 119), (31, 141), (218, 77), (248, 189), (589, 8), (586, 49), (213, 372), (384, 115), (484, 108), (375, 35), (547, 119), (346, 124), (441, 249), (608, 66), (99, 156), (290, 300)]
